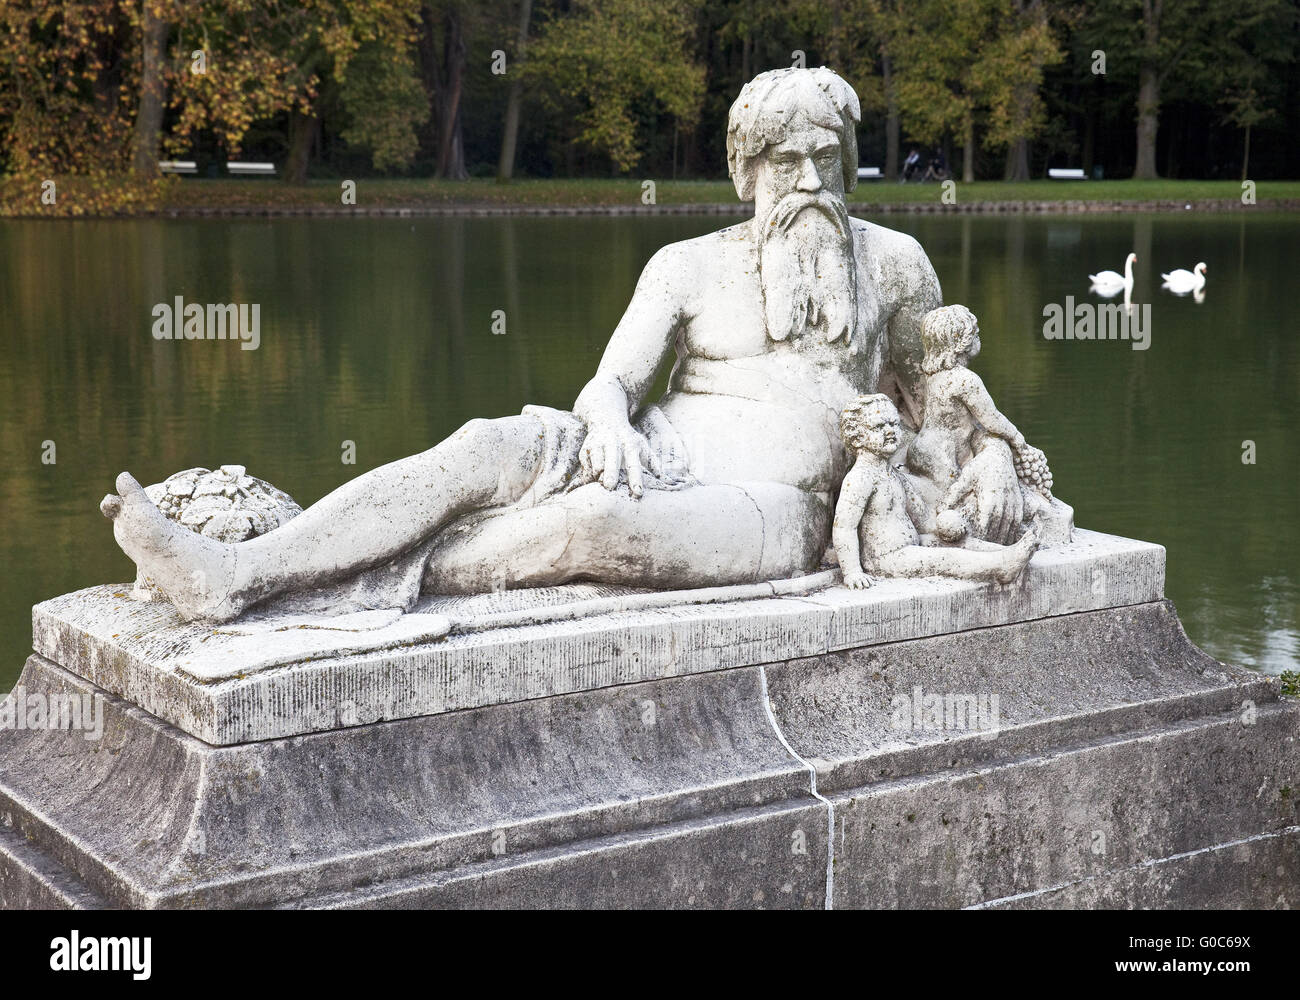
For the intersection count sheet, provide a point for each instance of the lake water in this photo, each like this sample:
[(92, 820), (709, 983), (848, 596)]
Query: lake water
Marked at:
[(379, 332)]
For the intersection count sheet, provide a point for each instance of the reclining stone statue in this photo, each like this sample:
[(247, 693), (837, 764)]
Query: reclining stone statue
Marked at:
[(776, 325)]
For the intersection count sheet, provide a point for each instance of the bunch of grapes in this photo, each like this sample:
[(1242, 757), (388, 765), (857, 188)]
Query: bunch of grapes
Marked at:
[(1032, 470)]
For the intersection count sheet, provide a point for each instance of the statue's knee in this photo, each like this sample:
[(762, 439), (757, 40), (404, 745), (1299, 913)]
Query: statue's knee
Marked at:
[(593, 516), (477, 432), (518, 434), (593, 507)]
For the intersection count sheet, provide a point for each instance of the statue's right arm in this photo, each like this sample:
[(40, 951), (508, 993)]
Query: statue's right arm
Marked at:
[(855, 494), (628, 368), (976, 396)]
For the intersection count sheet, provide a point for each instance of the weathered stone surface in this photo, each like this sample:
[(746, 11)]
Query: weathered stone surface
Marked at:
[(1261, 872), (162, 819), (286, 676), (697, 790)]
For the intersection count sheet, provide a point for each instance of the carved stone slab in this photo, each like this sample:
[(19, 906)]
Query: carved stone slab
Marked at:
[(271, 677), (789, 785)]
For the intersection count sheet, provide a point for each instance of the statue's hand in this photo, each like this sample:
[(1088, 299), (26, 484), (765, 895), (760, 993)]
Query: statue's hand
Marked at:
[(989, 479), (667, 450), (608, 449)]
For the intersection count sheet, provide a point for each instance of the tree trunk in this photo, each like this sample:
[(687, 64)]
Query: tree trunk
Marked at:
[(506, 165), (301, 129), (1148, 101), (891, 116), (148, 121), (1171, 151), (1017, 168), (1089, 139), (968, 153), (1245, 156), (451, 148), (1148, 109), (1018, 161)]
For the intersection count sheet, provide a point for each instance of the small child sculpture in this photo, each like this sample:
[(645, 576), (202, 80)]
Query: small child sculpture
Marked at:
[(961, 423), (879, 507)]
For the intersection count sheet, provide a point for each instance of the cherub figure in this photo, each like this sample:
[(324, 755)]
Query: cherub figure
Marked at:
[(963, 429), (878, 508)]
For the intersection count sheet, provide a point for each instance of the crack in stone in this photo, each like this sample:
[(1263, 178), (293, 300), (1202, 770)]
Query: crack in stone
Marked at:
[(812, 787), (762, 524)]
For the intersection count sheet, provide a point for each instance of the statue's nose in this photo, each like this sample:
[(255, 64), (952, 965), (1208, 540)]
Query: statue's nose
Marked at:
[(809, 179)]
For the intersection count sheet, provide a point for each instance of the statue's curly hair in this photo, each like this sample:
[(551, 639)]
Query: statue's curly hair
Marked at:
[(759, 116), (945, 332), (853, 419)]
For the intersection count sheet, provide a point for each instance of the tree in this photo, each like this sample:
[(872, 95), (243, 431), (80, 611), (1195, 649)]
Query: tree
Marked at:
[(1162, 42), (1157, 62), (1015, 83), (982, 62), (443, 42), (153, 88), (263, 58), (862, 46), (615, 60), (939, 76), (234, 63), (1246, 73), (510, 131), (1009, 78), (66, 70), (385, 103)]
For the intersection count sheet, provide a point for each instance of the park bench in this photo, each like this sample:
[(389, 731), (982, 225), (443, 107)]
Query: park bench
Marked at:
[(1067, 174), (178, 166), (239, 169), (869, 173)]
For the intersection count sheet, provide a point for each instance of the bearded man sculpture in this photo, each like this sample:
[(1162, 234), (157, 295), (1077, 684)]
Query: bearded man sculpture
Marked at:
[(776, 324)]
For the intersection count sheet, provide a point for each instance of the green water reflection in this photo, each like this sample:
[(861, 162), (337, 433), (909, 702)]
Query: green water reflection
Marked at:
[(380, 332)]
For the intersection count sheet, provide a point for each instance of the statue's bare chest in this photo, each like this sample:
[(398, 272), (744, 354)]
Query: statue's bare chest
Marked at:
[(725, 321)]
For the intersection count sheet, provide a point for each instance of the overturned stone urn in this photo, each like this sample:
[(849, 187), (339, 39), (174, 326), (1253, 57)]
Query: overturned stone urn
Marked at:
[(226, 504)]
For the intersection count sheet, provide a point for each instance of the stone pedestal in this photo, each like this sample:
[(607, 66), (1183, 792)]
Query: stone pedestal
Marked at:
[(781, 752)]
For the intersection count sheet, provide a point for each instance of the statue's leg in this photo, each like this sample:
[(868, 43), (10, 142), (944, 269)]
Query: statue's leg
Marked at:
[(706, 535), (999, 564), (366, 521)]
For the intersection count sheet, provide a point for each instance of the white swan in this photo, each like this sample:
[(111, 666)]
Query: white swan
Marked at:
[(1108, 283), (1181, 282)]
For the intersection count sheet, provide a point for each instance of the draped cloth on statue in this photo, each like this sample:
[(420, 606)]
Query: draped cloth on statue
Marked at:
[(396, 584)]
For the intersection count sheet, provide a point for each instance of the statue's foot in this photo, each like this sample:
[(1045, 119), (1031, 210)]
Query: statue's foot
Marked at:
[(1018, 556), (196, 573)]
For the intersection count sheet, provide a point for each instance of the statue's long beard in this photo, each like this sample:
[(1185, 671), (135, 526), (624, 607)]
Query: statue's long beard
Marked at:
[(806, 268)]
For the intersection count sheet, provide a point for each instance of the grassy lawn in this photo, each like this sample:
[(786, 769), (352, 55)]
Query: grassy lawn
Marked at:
[(198, 193), (213, 193), (194, 193), (881, 192)]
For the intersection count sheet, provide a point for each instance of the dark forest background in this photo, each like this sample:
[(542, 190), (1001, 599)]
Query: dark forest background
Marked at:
[(600, 88)]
